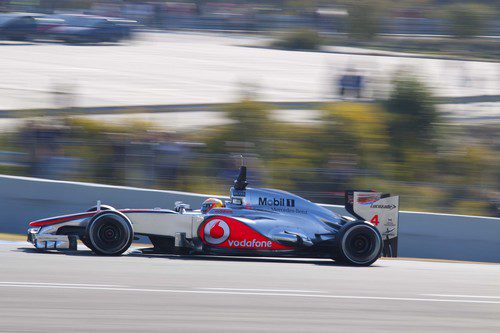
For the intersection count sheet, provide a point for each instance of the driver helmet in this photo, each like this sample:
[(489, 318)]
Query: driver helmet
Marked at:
[(209, 204)]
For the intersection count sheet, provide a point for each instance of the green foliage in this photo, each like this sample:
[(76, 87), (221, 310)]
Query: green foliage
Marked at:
[(413, 114), (358, 129), (99, 143), (252, 118), (467, 20), (301, 39), (251, 124), (13, 170), (472, 207), (93, 128), (363, 21)]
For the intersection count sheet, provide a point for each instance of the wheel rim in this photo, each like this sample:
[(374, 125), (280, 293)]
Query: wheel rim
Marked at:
[(361, 244), (110, 233)]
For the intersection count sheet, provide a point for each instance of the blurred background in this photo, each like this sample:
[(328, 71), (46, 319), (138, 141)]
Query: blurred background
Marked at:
[(319, 96)]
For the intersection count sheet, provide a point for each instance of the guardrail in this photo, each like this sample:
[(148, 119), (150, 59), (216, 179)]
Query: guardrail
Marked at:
[(421, 235)]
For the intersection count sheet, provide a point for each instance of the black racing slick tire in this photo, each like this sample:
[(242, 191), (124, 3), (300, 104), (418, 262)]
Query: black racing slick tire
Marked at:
[(358, 244), (109, 233)]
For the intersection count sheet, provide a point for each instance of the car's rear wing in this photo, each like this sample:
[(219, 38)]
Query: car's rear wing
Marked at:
[(381, 210)]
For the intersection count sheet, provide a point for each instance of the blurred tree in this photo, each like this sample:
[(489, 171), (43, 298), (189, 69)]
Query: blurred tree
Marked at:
[(358, 129), (467, 20), (251, 120), (300, 39), (363, 21), (414, 116), (251, 125), (102, 145)]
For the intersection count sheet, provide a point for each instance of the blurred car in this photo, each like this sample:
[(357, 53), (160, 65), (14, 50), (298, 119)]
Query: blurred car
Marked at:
[(86, 28), (17, 27), (46, 22)]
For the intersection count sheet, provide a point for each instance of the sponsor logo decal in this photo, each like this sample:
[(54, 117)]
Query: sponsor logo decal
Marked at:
[(250, 243), (281, 205), (368, 198), (216, 232), (289, 210), (388, 206), (238, 193), (275, 202), (226, 232), (389, 223), (221, 211)]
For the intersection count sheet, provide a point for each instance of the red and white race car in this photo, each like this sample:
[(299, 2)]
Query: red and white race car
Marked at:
[(253, 222)]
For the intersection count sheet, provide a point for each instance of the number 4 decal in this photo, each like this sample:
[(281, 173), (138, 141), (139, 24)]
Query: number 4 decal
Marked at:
[(374, 220)]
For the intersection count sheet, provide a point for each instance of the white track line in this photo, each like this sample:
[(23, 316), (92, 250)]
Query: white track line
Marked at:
[(376, 298), (461, 296), (265, 290), (61, 284)]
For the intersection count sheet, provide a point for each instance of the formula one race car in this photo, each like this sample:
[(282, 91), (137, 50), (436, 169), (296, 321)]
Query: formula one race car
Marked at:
[(254, 222)]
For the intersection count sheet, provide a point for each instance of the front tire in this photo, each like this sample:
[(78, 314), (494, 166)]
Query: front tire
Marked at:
[(358, 244), (109, 233)]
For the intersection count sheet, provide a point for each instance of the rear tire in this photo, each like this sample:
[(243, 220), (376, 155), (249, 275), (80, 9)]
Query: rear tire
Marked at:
[(109, 233), (358, 244)]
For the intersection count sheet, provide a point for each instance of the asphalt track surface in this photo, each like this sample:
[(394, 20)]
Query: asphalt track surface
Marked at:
[(80, 292)]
